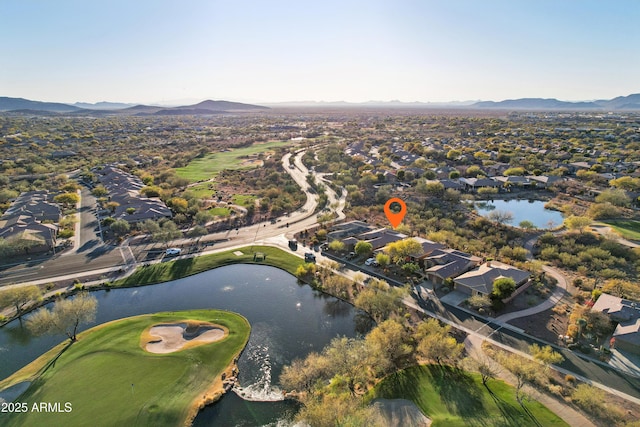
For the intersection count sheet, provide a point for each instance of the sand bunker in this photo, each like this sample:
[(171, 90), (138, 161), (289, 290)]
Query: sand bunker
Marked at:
[(168, 338)]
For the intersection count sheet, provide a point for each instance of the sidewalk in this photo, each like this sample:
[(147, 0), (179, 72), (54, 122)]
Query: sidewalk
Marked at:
[(558, 293)]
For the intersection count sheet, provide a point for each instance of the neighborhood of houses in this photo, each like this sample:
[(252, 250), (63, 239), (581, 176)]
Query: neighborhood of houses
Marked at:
[(471, 275), (491, 175), (129, 203), (441, 265), (32, 220)]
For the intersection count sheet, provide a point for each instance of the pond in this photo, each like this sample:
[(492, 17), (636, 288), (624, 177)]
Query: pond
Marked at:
[(288, 321), (522, 210)]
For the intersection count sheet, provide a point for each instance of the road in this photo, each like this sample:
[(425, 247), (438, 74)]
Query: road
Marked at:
[(89, 253), (514, 339)]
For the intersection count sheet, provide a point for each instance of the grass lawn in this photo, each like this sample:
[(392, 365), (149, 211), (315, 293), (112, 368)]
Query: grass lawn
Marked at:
[(452, 398), (224, 212), (243, 200), (208, 166), (96, 374), (166, 271), (627, 228)]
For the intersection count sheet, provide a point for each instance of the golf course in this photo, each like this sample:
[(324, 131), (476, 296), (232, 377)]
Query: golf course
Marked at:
[(210, 165), (148, 370)]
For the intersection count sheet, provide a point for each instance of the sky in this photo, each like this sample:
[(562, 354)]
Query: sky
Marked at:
[(166, 51)]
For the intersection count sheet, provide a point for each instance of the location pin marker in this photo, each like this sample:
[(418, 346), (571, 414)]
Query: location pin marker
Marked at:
[(395, 218)]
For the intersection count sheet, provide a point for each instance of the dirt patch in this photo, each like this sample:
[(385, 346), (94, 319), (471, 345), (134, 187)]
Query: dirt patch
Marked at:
[(172, 337), (251, 163), (546, 325)]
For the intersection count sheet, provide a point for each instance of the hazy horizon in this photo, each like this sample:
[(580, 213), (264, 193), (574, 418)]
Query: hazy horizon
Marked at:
[(161, 52)]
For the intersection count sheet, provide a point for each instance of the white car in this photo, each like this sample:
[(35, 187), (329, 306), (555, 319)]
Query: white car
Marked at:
[(371, 261), (173, 251)]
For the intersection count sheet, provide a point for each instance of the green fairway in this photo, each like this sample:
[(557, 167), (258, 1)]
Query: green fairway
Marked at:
[(204, 190), (224, 212), (627, 228), (166, 271), (208, 166), (458, 398), (110, 380), (243, 200)]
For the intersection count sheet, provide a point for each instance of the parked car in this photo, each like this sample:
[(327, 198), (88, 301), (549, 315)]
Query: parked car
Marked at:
[(351, 255), (309, 257), (173, 251), (371, 262)]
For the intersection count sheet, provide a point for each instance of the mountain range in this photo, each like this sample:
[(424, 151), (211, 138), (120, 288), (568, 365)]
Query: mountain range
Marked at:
[(630, 102), (21, 105), (110, 108)]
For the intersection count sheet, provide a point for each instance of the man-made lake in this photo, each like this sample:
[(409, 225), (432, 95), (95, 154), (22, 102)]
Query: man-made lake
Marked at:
[(288, 321), (522, 210)]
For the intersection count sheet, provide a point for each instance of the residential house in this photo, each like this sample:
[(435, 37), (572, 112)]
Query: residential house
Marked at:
[(473, 184), (626, 313), (479, 281), (36, 237), (381, 237), (544, 181), (443, 264), (345, 229)]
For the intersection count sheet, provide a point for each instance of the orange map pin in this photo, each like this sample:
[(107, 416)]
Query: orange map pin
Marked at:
[(395, 218)]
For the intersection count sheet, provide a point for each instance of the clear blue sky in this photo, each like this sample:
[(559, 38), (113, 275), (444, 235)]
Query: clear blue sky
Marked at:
[(267, 51)]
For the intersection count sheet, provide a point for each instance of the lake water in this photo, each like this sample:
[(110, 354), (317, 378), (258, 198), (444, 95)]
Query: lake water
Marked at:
[(522, 210), (288, 321)]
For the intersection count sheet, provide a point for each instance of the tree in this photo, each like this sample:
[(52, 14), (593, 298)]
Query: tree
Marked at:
[(6, 195), (168, 231), (99, 191), (503, 287), (546, 355), (383, 259), (111, 206), (479, 302), (574, 222), (19, 296), (336, 246), (525, 370), (65, 316), (615, 196), (500, 216), (487, 191), (380, 300), (517, 171), (435, 343), (178, 204), (603, 211), (149, 226), (120, 227), (197, 232), (389, 346), (527, 225), (363, 248), (400, 250), (67, 199)]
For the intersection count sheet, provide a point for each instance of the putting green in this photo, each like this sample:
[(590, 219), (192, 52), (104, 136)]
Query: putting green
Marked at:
[(107, 378)]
